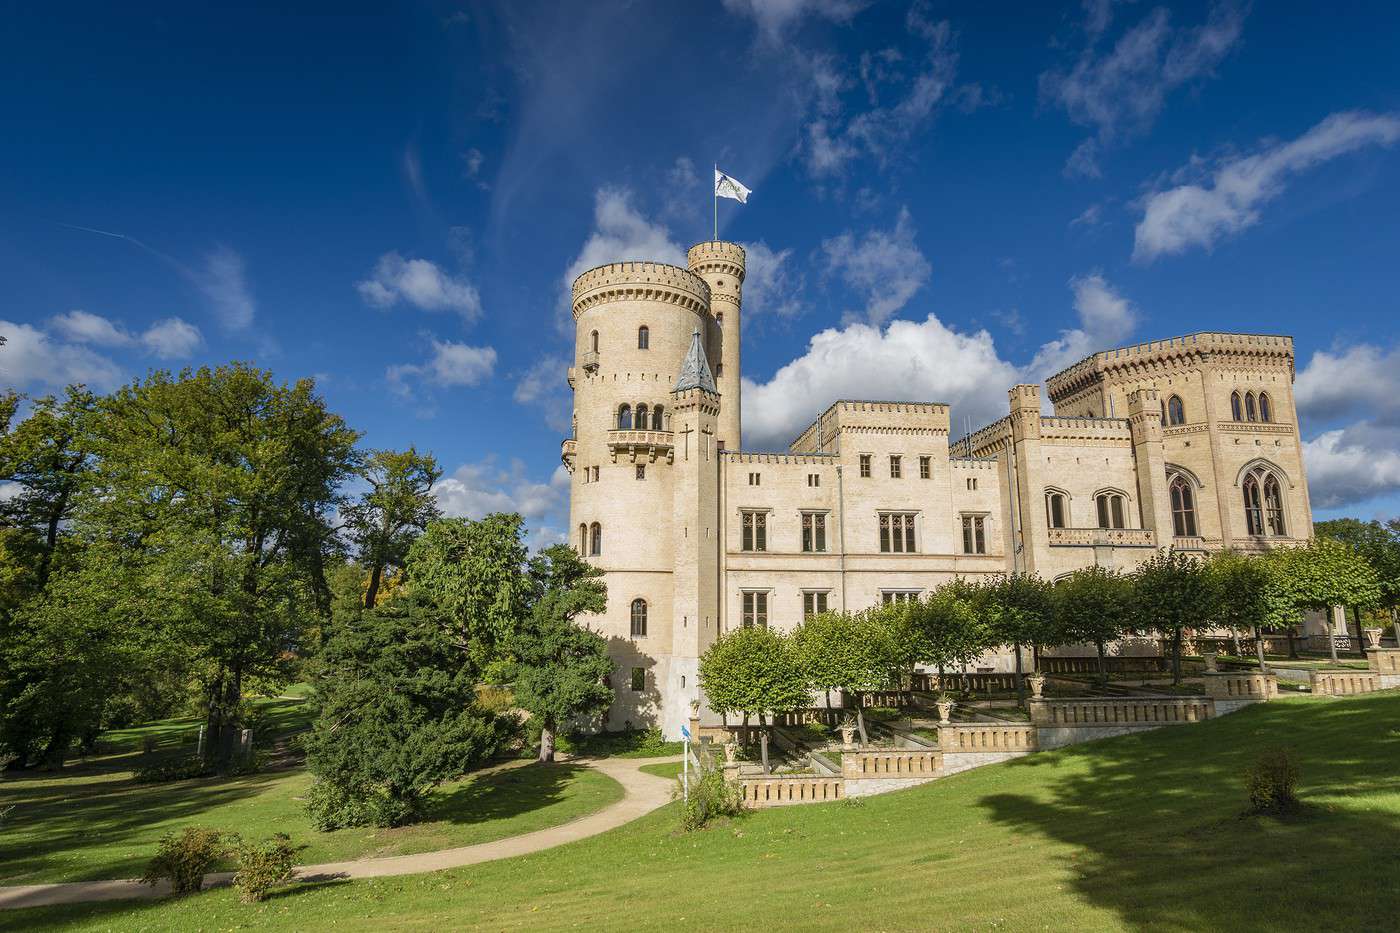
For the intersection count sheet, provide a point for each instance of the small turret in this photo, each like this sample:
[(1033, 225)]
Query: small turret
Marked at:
[(722, 266), (695, 369)]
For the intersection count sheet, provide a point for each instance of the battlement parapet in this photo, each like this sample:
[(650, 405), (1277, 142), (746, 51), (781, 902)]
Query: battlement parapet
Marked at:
[(717, 256), (641, 281), (1171, 351)]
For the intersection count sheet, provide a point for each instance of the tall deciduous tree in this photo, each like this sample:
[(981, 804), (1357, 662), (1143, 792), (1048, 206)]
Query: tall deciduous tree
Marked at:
[(1094, 604), (399, 503), (1172, 595), (1324, 573), (752, 671), (953, 633), (1020, 610), (561, 665), (1379, 544), (1243, 594)]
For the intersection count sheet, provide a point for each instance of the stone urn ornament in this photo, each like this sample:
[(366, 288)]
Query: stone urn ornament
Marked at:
[(945, 710), (731, 752), (1037, 682), (1373, 637), (1212, 660), (848, 735)]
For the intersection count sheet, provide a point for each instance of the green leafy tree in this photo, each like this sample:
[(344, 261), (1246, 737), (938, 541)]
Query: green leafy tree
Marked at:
[(384, 521), (1379, 544), (1094, 604), (953, 632), (475, 573), (1019, 608), (395, 715), (1325, 573), (753, 671), (1172, 595), (1243, 592), (561, 666), (819, 646)]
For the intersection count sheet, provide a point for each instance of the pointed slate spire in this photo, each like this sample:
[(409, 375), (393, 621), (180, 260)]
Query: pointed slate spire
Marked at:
[(695, 371)]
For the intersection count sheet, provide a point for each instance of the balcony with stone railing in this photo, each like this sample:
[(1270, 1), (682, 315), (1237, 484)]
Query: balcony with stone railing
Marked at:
[(1102, 537), (589, 360), (637, 445), (567, 452)]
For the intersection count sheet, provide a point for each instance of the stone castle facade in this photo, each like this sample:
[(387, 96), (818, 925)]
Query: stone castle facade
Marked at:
[(1190, 443)]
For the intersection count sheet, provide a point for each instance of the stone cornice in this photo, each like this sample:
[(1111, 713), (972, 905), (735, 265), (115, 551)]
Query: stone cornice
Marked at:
[(641, 281), (1176, 353)]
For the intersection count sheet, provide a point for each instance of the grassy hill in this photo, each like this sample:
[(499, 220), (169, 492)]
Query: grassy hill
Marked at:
[(1144, 832)]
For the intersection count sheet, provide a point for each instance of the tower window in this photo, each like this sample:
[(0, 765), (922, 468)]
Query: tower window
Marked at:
[(595, 545), (583, 540), (1266, 408), (1176, 411), (1236, 408), (1183, 507), (755, 531), (656, 424), (925, 467), (593, 341), (974, 533), (972, 482), (814, 532), (1250, 413), (895, 468), (865, 465), (1055, 509), (639, 618), (643, 422), (1263, 504), (643, 338), (641, 471), (814, 479), (755, 479), (624, 418), (897, 532)]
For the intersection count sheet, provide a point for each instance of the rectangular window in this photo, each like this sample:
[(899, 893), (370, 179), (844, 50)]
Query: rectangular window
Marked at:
[(639, 679), (814, 479), (898, 596), (974, 534), (755, 536), (755, 608), (897, 532), (895, 466), (814, 531), (813, 602), (641, 471), (755, 479), (865, 465), (925, 467)]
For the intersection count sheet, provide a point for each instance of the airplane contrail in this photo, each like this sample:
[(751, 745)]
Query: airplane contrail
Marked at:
[(180, 267)]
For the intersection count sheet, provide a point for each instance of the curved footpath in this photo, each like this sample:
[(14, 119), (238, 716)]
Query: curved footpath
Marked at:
[(642, 793)]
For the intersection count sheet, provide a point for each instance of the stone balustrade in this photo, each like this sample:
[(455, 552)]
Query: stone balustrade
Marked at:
[(1102, 537), (1344, 683), (896, 699), (891, 764), (759, 793), (1251, 686), (817, 714), (988, 738), (1130, 665), (1121, 711), (993, 682), (635, 444)]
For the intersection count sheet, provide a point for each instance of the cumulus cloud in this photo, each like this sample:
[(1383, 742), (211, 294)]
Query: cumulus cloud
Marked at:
[(450, 365), (85, 327), (775, 18), (905, 361), (1351, 381), (475, 490), (223, 281), (30, 357), (172, 338), (420, 283), (620, 233), (1119, 92), (1200, 214), (1106, 318), (1355, 393), (886, 267), (543, 386), (1346, 467), (772, 282)]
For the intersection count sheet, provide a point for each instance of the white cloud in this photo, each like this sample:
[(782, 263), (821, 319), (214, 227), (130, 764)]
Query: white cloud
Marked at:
[(30, 357), (1363, 380), (451, 365), (885, 266), (420, 283), (621, 233), (224, 283), (543, 385), (1120, 92), (172, 338), (1201, 214), (472, 160), (775, 17), (475, 490), (1106, 318), (1344, 469), (84, 327), (905, 361), (772, 282)]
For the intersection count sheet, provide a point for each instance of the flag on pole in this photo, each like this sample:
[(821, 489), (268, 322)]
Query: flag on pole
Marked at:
[(726, 187)]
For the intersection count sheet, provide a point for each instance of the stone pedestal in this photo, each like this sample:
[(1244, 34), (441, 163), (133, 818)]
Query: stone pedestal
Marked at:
[(1233, 690), (1385, 662)]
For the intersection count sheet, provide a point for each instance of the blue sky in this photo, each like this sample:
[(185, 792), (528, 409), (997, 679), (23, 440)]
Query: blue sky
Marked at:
[(947, 198)]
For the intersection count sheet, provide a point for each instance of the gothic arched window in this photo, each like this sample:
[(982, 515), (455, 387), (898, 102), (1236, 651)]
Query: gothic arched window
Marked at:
[(582, 540), (595, 545), (656, 423), (1263, 504), (594, 341), (1266, 407), (1236, 410), (1176, 411), (643, 338), (624, 418), (1055, 509), (639, 618), (1250, 413), (642, 421), (1183, 507), (1110, 508)]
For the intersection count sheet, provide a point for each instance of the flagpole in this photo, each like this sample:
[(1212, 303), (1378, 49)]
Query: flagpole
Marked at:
[(716, 198)]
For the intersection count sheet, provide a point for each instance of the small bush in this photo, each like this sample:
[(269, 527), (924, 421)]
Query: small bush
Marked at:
[(184, 858), (1273, 782), (332, 806), (711, 797), (262, 866), (174, 769)]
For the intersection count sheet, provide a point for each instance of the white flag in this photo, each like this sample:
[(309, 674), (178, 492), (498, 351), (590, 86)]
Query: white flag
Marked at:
[(726, 187)]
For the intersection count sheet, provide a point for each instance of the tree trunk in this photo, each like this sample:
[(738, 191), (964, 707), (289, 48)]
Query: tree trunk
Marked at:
[(1020, 680), (1235, 643), (1395, 624), (1035, 659), (546, 744), (1259, 649), (1360, 635), (860, 721), (213, 717), (376, 574), (1176, 657), (763, 741), (828, 699), (1103, 666)]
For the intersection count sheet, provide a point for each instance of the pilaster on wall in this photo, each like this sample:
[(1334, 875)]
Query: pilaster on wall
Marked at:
[(695, 524), (1030, 462), (1145, 421)]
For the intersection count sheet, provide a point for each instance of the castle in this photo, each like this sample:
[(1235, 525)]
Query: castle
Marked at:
[(1190, 443)]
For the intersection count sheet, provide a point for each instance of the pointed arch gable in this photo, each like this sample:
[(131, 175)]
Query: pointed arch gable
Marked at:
[(1258, 462), (1189, 475)]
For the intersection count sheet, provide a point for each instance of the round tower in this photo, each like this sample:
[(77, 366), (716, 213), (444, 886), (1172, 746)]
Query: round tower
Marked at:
[(721, 265), (633, 325)]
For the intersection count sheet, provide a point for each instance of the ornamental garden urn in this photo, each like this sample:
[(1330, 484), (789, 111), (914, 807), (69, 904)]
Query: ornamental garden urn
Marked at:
[(1373, 637), (945, 709), (1037, 682), (1212, 660), (848, 736)]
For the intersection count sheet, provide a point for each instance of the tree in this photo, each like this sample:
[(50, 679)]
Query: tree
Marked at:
[(751, 670), (1020, 611), (475, 573), (395, 715), (1380, 546), (1324, 573), (561, 665), (818, 646), (392, 512), (1243, 595), (1172, 594), (1094, 604), (216, 488), (953, 633)]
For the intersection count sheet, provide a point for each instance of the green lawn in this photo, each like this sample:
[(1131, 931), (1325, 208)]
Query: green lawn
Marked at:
[(666, 769), (92, 821), (1143, 832)]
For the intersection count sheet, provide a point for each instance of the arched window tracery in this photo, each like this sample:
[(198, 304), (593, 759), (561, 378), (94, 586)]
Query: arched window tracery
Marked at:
[(1110, 509), (595, 544), (1176, 411), (639, 618), (1183, 498), (1266, 407), (1236, 407), (1250, 412), (643, 422), (1056, 508), (1263, 503), (624, 418)]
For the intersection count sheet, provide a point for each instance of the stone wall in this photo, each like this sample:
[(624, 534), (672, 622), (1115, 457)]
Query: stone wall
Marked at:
[(1344, 683)]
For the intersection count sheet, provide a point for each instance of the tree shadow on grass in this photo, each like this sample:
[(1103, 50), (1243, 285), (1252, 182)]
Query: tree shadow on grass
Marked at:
[(1160, 835), (501, 795)]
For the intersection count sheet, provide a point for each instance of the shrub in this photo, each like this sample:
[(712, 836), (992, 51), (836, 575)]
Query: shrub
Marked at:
[(184, 858), (264, 865), (1273, 782), (174, 769), (711, 797), (334, 806)]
